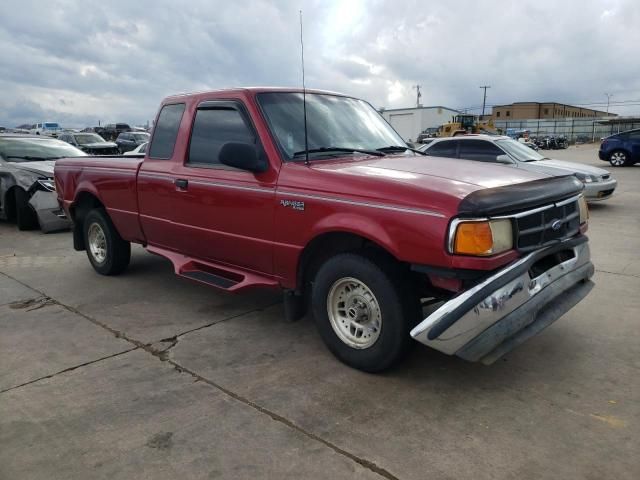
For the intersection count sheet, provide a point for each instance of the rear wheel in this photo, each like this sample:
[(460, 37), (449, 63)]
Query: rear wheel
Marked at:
[(363, 311), (26, 218), (108, 253), (619, 158)]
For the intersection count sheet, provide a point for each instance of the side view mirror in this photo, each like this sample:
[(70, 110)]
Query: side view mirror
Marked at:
[(503, 159), (243, 156)]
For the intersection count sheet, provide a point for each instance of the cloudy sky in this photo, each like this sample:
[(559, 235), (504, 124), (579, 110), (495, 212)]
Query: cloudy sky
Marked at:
[(78, 62)]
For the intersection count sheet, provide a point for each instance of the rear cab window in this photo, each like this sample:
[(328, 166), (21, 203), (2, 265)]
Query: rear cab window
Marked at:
[(165, 131)]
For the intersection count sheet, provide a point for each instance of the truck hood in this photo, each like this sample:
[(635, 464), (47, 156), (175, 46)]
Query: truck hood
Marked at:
[(44, 167), (411, 181), (561, 167), (415, 169)]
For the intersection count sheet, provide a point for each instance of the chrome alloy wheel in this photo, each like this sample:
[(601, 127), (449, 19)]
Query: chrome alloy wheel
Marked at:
[(354, 313), (97, 243), (618, 159)]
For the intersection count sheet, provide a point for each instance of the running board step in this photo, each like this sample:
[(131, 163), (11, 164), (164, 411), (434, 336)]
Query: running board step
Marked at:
[(210, 278), (215, 275)]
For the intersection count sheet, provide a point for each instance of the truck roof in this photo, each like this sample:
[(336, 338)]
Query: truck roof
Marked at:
[(253, 90)]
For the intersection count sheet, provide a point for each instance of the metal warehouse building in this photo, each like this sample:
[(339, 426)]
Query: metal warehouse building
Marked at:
[(410, 122)]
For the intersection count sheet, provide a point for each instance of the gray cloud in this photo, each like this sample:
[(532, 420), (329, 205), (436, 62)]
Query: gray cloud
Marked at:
[(80, 62)]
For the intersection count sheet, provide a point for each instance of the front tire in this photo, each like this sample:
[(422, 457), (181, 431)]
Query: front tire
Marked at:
[(619, 158), (363, 311), (108, 253), (26, 218)]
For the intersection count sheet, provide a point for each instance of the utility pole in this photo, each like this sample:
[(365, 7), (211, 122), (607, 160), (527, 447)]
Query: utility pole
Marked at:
[(609, 95), (418, 94), (484, 99)]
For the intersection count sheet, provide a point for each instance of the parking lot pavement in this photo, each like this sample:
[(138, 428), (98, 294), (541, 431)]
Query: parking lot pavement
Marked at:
[(221, 385)]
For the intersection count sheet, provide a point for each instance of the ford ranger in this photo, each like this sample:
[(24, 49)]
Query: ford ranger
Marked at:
[(315, 194)]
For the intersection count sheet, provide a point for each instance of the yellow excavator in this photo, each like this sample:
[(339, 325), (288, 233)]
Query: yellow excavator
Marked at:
[(465, 123)]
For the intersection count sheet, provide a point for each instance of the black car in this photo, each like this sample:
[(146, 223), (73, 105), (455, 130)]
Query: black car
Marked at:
[(129, 140), (91, 143)]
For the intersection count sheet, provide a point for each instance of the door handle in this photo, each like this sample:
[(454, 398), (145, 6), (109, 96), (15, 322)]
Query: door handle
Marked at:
[(181, 183)]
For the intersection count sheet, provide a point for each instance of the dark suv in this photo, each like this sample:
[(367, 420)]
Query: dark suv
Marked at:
[(129, 140), (622, 149), (111, 131)]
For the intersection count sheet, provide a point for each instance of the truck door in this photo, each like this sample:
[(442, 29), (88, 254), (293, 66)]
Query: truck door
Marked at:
[(225, 214)]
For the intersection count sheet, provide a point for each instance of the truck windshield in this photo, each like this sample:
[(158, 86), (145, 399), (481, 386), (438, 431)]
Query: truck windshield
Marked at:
[(332, 121), (34, 149), (51, 125)]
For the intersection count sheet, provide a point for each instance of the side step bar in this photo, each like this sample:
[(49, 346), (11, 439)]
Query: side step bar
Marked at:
[(215, 275)]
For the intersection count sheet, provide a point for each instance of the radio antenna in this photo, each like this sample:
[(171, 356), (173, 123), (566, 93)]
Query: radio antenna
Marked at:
[(304, 97)]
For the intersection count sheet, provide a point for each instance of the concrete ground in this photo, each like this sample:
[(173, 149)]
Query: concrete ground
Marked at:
[(147, 375)]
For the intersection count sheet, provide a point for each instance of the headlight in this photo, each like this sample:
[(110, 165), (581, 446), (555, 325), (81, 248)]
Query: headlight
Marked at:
[(480, 237), (584, 178), (47, 184), (584, 210)]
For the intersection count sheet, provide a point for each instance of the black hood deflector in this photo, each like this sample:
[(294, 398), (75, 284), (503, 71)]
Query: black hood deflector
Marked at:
[(518, 197)]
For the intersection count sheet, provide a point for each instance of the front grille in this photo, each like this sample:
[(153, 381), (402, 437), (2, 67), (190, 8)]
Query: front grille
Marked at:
[(546, 226), (605, 177)]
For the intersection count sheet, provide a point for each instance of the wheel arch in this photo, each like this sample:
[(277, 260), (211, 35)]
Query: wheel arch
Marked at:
[(84, 202)]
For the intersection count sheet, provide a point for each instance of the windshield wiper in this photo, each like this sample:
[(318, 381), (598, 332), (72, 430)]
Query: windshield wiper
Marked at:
[(399, 148), (27, 157), (338, 150)]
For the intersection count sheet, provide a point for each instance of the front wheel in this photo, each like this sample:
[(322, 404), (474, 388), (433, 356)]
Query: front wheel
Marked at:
[(363, 311), (108, 253), (619, 158)]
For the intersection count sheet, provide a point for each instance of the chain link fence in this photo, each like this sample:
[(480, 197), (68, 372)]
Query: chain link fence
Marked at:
[(577, 130)]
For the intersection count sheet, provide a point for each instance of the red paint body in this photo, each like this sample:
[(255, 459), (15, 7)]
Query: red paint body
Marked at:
[(235, 219)]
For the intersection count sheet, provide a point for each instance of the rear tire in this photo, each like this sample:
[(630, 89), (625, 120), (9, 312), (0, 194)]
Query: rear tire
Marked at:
[(619, 158), (364, 311), (26, 218), (108, 253)]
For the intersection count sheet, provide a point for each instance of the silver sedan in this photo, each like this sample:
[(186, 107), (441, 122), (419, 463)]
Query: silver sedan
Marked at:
[(599, 184)]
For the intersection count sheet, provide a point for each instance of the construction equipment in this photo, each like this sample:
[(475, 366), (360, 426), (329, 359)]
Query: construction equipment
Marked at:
[(465, 123)]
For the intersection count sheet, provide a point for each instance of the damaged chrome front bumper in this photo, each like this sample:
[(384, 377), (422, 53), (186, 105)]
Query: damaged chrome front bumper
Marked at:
[(50, 216), (512, 305)]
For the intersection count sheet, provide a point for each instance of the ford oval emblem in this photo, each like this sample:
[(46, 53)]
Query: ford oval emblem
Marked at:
[(556, 225)]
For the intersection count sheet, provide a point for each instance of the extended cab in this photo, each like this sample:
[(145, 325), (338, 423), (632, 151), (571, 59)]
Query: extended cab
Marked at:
[(239, 189)]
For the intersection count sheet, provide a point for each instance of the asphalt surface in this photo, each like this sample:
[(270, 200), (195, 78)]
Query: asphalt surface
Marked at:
[(147, 375)]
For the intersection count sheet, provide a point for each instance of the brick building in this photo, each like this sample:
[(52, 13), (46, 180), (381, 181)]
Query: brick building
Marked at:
[(531, 110)]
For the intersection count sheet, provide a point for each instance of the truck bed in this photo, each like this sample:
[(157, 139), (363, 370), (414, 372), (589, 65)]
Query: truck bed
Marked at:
[(110, 179)]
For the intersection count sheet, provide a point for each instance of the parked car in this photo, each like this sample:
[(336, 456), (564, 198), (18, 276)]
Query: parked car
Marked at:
[(238, 194), (27, 191), (130, 140), (599, 184), (51, 129), (111, 130), (139, 151), (621, 149), (91, 143)]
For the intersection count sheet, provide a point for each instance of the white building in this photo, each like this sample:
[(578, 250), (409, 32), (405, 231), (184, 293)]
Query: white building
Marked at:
[(410, 122)]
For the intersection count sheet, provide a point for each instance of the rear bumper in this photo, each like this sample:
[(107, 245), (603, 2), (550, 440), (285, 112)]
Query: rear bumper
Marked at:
[(491, 318), (602, 155), (596, 191)]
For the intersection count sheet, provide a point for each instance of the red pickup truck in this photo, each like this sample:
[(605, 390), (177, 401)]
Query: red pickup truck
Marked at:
[(240, 188)]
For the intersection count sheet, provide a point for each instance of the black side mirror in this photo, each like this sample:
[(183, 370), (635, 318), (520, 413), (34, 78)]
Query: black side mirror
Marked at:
[(243, 156)]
